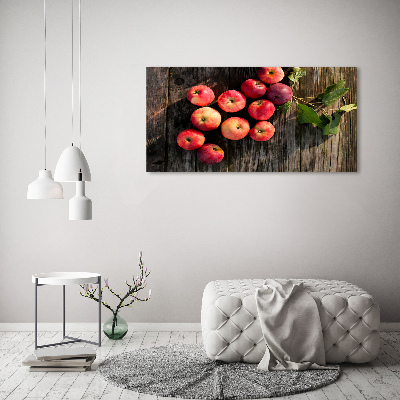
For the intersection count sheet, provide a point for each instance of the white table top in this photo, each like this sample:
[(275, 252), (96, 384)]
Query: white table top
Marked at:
[(65, 278)]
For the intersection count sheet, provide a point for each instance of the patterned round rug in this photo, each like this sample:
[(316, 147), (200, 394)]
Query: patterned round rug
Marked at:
[(185, 371)]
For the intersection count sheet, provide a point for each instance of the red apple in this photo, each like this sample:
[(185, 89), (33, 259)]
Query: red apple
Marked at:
[(262, 131), (279, 93), (210, 154), (253, 89), (235, 128), (271, 74), (206, 119), (261, 109), (200, 95), (190, 139), (232, 101)]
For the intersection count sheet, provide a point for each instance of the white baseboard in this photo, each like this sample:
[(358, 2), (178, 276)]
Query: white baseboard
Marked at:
[(92, 327), (390, 326), (138, 327)]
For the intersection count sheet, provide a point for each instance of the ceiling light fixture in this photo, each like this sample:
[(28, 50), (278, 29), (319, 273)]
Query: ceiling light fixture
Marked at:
[(72, 165), (44, 186)]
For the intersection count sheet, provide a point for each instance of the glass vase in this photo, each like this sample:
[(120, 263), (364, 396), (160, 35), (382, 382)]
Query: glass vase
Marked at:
[(115, 327)]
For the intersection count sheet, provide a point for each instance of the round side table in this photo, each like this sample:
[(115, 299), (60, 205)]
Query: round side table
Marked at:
[(62, 279)]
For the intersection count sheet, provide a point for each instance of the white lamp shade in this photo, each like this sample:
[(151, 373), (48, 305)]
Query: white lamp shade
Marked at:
[(71, 161), (80, 206), (44, 187)]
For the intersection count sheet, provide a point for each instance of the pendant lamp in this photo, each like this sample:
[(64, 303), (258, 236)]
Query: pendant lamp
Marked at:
[(44, 186), (72, 165), (80, 206), (72, 162)]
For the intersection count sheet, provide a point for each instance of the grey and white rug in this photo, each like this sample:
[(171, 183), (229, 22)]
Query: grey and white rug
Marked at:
[(185, 371)]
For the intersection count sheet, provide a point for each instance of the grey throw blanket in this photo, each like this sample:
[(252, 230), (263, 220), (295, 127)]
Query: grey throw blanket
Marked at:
[(291, 327)]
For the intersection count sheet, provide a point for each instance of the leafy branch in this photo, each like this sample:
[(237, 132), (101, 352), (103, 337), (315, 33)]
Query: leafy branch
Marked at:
[(297, 73), (308, 111), (294, 77)]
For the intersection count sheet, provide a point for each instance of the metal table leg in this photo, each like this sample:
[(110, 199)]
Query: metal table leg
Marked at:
[(100, 297), (73, 339), (63, 311), (36, 286)]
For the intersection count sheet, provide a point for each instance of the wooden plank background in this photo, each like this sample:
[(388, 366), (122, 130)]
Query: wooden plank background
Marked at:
[(293, 148)]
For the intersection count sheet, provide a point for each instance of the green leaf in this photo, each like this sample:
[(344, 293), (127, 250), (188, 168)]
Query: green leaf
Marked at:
[(326, 121), (331, 88), (337, 115), (325, 129), (297, 74), (285, 107), (334, 95), (331, 122), (307, 115), (348, 107)]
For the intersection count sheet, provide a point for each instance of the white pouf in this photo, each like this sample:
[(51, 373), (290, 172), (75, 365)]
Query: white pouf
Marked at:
[(231, 330)]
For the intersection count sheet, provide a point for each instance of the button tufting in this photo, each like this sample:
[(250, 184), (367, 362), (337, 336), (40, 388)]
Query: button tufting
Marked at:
[(329, 295)]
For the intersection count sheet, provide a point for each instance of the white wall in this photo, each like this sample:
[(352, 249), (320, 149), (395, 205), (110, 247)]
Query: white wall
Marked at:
[(192, 228)]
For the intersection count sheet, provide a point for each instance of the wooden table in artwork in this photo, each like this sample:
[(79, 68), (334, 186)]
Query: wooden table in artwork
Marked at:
[(295, 147)]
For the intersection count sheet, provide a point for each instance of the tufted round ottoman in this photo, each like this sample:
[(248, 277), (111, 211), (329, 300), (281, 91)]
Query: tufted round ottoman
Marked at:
[(231, 330)]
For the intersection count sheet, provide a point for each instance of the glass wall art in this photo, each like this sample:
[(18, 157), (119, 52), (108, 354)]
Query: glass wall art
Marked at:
[(251, 119)]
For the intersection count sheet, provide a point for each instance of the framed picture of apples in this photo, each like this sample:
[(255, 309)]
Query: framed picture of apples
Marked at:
[(251, 119)]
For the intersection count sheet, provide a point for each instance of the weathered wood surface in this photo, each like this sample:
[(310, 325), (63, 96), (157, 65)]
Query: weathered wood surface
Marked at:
[(180, 109), (293, 148), (157, 101), (333, 153)]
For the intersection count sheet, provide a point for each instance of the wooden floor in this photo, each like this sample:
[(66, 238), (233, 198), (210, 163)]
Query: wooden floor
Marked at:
[(379, 379)]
